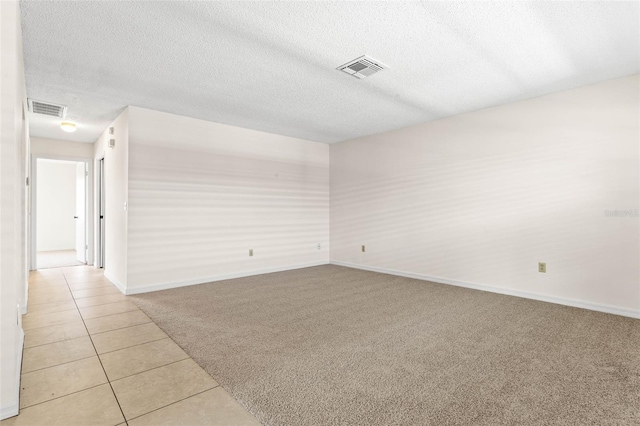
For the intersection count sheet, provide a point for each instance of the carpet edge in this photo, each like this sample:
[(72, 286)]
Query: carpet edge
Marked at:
[(598, 307)]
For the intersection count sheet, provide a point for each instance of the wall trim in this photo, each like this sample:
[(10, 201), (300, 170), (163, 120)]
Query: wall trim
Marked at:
[(176, 284), (14, 409), (117, 283), (609, 309), (25, 305)]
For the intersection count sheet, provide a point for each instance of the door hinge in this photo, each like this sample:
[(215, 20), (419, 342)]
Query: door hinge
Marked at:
[(86, 173), (27, 179), (86, 247)]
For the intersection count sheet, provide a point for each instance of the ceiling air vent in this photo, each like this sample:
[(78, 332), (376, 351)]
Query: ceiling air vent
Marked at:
[(45, 108), (362, 67)]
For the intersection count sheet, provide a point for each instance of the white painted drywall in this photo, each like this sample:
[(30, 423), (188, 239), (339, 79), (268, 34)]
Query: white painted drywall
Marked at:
[(56, 202), (483, 197), (60, 148), (202, 194), (116, 189), (14, 151)]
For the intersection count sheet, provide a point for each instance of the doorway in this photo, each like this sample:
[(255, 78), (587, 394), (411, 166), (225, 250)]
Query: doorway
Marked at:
[(61, 197), (100, 256)]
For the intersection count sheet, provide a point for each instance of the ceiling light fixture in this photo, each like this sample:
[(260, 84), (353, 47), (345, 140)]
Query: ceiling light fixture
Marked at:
[(68, 126)]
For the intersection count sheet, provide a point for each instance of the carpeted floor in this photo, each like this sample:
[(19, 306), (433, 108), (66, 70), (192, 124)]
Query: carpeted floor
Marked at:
[(330, 345), (57, 259)]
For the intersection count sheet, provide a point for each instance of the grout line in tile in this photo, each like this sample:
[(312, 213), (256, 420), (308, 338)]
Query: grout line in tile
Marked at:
[(100, 304), (65, 340), (42, 290), (137, 344), (55, 365), (106, 294), (100, 361), (62, 396), (80, 285), (43, 303), (155, 368), (44, 313), (49, 313), (54, 325), (102, 332), (175, 402), (57, 341), (108, 315)]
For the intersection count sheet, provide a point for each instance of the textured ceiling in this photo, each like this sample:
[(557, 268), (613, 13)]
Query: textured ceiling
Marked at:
[(270, 66)]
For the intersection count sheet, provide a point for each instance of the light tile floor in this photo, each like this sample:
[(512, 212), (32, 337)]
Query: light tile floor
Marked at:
[(91, 357), (57, 259)]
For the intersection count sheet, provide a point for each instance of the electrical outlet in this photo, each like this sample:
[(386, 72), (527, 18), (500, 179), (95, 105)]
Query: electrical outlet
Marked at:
[(250, 252), (319, 246), (542, 267), (363, 249)]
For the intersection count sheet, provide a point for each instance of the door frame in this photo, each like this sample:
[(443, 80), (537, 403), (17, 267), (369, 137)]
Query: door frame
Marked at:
[(100, 213), (88, 201)]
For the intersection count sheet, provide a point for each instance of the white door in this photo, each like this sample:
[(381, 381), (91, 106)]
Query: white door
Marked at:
[(81, 247)]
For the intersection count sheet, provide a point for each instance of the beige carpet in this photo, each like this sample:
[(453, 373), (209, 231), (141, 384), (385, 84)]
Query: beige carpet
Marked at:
[(56, 259), (330, 345)]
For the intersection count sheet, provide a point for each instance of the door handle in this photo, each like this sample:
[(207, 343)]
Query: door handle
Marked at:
[(75, 217)]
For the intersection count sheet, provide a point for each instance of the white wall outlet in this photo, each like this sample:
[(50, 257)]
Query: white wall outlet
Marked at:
[(319, 246), (542, 267)]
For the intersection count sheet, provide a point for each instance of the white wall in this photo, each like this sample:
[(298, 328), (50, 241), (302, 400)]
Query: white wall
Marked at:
[(116, 189), (14, 151), (60, 148), (483, 197), (202, 194), (56, 201)]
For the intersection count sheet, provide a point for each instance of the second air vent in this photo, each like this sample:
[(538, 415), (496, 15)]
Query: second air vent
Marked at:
[(46, 108), (362, 67)]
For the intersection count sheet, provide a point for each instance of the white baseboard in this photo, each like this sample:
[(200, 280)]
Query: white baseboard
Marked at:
[(115, 282), (625, 312), (9, 411), (166, 286), (14, 409)]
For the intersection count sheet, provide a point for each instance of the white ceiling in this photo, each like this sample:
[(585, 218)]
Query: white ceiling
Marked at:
[(270, 66)]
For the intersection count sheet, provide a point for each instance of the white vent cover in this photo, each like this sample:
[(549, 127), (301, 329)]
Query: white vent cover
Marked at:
[(362, 67), (46, 108)]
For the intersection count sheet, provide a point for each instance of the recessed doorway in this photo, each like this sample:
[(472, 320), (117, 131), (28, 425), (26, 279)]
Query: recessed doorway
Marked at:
[(61, 214)]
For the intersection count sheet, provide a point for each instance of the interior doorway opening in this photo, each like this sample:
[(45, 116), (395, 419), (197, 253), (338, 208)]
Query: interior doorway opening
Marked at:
[(100, 255), (61, 215)]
